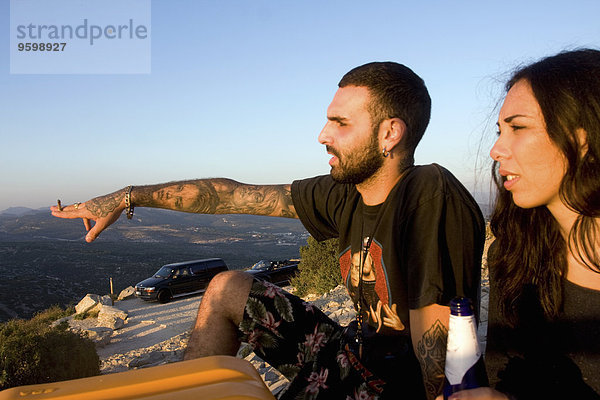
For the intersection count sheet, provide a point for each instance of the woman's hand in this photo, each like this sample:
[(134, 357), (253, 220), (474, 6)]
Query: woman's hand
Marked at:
[(103, 210), (484, 393)]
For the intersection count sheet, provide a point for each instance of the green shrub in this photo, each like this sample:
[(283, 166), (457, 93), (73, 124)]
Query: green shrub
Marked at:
[(319, 270), (80, 316), (86, 315), (53, 313), (32, 352)]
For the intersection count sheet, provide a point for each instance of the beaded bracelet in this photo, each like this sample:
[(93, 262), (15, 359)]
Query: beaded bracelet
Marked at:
[(128, 204)]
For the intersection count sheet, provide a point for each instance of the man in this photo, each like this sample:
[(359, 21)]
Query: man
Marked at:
[(410, 239)]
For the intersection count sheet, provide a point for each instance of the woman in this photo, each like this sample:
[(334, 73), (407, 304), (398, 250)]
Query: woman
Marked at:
[(544, 322)]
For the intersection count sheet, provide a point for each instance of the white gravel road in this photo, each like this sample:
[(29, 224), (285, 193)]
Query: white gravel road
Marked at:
[(153, 333)]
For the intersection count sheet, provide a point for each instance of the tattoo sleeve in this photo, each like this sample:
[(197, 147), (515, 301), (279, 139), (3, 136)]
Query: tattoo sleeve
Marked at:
[(431, 352), (217, 196)]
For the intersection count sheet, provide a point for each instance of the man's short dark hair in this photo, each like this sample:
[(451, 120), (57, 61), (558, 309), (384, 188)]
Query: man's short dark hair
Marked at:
[(396, 92)]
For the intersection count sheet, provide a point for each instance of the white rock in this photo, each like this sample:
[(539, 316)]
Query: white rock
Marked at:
[(271, 376), (87, 303), (108, 310), (111, 317), (148, 360), (106, 300), (278, 386), (333, 304), (126, 293), (99, 335)]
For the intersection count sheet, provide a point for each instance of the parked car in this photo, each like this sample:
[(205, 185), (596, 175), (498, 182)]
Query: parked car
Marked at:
[(276, 272), (179, 279)]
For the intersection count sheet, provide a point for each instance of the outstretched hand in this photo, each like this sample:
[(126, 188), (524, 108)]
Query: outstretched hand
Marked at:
[(103, 210)]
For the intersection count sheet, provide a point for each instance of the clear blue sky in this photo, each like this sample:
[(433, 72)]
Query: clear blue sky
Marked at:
[(240, 89)]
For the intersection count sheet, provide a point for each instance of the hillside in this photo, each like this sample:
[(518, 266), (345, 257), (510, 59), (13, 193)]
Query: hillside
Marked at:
[(149, 225)]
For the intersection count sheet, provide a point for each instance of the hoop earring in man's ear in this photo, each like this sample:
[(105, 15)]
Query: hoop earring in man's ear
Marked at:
[(385, 153)]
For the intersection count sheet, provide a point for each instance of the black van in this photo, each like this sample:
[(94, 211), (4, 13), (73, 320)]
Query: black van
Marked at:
[(179, 279)]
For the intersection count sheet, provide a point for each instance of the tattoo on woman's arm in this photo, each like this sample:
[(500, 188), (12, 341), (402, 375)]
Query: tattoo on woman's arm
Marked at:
[(431, 352)]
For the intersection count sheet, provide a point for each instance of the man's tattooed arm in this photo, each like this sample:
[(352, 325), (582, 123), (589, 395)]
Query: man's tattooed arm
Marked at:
[(431, 353), (206, 196), (217, 196), (429, 332)]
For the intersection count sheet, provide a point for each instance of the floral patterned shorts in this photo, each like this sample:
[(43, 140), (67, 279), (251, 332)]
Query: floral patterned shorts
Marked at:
[(305, 345)]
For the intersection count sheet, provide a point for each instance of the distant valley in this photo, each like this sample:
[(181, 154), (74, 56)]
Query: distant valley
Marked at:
[(44, 260)]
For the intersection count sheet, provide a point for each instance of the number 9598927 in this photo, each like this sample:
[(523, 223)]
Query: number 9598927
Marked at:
[(41, 46)]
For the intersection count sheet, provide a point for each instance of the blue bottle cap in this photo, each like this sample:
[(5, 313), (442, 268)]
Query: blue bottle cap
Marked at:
[(461, 306)]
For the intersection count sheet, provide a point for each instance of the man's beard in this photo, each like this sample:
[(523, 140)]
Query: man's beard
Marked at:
[(359, 165)]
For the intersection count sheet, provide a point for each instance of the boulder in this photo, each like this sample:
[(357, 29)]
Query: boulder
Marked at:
[(106, 300), (87, 303), (99, 335), (126, 293), (333, 304), (103, 301), (111, 317), (148, 360)]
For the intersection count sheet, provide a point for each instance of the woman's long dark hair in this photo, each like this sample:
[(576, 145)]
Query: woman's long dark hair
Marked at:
[(529, 248)]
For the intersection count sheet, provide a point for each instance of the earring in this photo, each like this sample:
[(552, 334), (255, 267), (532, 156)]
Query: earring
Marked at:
[(385, 153)]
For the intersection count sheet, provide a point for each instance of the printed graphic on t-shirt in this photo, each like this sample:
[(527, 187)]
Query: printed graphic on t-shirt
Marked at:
[(375, 290)]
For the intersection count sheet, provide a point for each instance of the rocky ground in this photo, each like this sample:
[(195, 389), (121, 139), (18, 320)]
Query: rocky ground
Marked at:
[(154, 334)]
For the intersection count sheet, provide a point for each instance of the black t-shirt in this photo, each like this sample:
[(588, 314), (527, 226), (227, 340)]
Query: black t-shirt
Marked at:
[(427, 241), (546, 359)]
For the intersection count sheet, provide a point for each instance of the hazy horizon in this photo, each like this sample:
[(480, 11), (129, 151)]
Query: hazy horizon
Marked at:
[(240, 89)]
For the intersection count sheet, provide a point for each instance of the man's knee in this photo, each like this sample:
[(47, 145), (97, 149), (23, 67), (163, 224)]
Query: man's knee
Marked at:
[(229, 282), (228, 291)]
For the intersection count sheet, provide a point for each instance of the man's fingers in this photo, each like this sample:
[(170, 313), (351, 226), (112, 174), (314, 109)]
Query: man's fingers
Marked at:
[(92, 234), (76, 210), (77, 207), (95, 231), (93, 225)]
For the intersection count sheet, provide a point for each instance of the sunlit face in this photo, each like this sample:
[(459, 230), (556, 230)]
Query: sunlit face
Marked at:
[(179, 197), (246, 195), (350, 137), (531, 163)]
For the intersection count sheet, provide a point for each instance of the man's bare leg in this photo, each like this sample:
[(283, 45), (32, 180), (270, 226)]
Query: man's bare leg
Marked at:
[(219, 314)]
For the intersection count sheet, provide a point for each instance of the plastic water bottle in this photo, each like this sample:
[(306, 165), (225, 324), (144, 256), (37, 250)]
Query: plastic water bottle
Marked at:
[(464, 362)]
